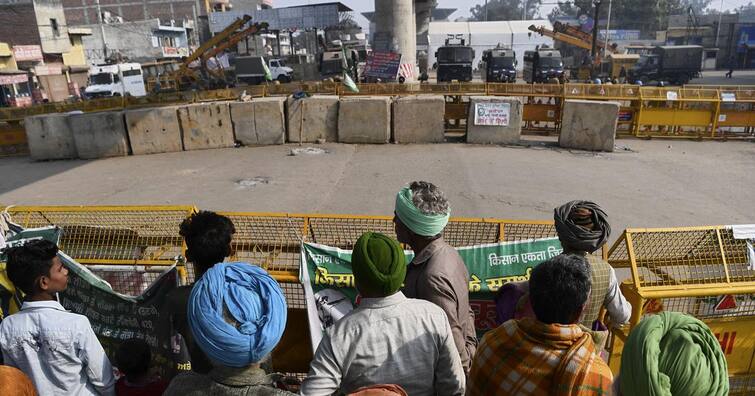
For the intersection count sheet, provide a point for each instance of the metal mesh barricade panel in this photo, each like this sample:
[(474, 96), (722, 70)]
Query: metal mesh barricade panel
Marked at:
[(343, 232), (467, 233), (527, 230), (109, 235), (742, 385), (675, 258)]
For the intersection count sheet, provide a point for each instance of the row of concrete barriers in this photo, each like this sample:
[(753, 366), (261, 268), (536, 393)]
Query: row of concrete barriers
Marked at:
[(587, 125)]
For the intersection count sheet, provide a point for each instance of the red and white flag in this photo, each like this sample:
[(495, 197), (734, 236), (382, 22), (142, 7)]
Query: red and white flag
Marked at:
[(406, 70)]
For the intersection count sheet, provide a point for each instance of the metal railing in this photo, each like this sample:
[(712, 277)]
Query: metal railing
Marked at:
[(701, 271)]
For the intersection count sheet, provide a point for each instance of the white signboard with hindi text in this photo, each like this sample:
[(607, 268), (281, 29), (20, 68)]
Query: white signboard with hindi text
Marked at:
[(492, 114)]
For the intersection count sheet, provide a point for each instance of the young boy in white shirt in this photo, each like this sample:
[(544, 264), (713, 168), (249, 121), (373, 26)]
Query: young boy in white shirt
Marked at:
[(57, 349)]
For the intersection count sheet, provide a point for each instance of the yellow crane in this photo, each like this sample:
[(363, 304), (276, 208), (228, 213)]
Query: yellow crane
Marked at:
[(203, 76)]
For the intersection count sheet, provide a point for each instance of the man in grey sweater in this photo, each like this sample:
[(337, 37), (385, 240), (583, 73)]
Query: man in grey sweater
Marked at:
[(437, 272)]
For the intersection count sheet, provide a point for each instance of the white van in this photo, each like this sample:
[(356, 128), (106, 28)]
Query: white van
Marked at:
[(250, 70), (116, 80)]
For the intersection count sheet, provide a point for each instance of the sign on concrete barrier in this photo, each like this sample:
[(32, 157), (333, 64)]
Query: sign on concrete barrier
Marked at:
[(494, 120), (492, 113)]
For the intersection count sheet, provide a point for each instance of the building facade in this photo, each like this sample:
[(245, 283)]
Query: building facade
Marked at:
[(84, 12), (139, 41), (44, 48)]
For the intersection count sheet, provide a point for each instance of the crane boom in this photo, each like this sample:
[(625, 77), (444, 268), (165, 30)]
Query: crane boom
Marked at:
[(235, 38), (216, 39), (560, 37), (570, 35)]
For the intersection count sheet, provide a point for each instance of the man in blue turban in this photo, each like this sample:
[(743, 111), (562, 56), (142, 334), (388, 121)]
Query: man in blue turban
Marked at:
[(437, 273), (388, 339), (237, 313)]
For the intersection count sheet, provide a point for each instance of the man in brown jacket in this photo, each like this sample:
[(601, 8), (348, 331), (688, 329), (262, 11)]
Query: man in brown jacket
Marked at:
[(437, 272)]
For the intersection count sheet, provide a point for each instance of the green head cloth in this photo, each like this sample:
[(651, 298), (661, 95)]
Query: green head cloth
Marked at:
[(418, 222), (673, 354), (378, 264)]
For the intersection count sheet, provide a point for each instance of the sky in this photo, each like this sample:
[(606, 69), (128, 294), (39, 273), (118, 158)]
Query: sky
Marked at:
[(463, 6)]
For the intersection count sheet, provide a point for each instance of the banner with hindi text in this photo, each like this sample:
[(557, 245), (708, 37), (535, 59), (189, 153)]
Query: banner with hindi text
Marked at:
[(328, 281)]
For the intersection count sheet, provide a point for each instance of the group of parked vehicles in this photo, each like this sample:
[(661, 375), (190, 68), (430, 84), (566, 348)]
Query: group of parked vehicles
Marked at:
[(454, 62)]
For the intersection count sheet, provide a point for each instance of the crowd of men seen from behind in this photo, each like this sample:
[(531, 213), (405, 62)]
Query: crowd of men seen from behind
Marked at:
[(411, 334)]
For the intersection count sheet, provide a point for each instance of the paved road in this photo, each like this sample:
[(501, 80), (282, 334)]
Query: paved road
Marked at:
[(716, 77), (657, 183)]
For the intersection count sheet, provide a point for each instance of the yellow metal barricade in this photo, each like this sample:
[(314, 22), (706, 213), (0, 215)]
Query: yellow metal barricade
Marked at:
[(136, 238), (736, 113), (143, 239), (677, 112), (273, 241), (722, 87), (390, 89), (701, 271)]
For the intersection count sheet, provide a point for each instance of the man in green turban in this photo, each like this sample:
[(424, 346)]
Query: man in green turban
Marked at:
[(437, 273), (388, 339), (673, 354)]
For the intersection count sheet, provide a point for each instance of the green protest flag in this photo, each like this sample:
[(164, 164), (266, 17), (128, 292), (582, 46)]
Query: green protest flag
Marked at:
[(349, 83), (268, 74)]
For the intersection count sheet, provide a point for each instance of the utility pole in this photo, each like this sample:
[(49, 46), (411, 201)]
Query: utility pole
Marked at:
[(102, 29), (524, 10), (594, 48), (608, 29), (486, 10), (720, 16)]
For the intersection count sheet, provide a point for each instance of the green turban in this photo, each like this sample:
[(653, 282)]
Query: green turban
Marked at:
[(673, 354), (378, 264), (419, 223)]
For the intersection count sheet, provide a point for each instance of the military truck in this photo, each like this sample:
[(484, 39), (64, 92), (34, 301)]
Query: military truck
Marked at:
[(676, 64), (543, 65), (498, 65), (454, 62)]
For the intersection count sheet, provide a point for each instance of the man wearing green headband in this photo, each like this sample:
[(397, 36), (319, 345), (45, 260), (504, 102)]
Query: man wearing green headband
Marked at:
[(437, 273), (388, 339)]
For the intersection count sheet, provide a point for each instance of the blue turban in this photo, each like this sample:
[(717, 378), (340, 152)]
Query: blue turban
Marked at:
[(240, 293)]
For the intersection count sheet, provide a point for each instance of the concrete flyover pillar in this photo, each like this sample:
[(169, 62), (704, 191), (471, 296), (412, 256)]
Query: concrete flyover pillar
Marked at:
[(396, 31), (423, 10)]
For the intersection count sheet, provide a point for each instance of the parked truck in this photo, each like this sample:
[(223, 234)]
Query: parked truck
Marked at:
[(121, 79), (543, 65), (498, 65), (676, 64), (454, 62), (251, 70)]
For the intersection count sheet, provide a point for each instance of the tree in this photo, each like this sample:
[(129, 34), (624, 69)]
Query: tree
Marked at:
[(648, 16), (505, 10)]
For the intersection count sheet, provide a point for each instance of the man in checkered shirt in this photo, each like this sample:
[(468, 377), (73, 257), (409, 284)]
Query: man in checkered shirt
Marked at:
[(550, 354)]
